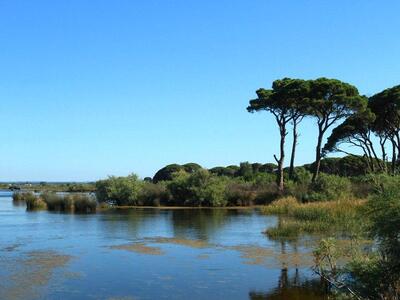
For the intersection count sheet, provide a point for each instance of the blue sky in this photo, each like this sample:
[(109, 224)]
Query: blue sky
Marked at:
[(94, 88)]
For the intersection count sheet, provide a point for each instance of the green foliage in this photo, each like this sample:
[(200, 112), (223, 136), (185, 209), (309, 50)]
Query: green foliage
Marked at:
[(119, 190), (76, 202), (198, 189), (83, 203), (268, 168), (167, 172), (373, 274), (56, 202), (191, 167), (246, 170), (339, 217), (152, 194), (329, 187), (342, 166), (32, 201)]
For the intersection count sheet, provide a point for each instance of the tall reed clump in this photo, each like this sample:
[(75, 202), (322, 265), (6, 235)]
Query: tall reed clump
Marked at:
[(81, 203), (32, 201), (57, 202), (341, 216), (17, 197)]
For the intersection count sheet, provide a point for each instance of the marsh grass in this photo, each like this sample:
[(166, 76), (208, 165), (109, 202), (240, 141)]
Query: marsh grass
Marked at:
[(342, 217), (83, 203), (33, 202), (57, 202), (80, 203)]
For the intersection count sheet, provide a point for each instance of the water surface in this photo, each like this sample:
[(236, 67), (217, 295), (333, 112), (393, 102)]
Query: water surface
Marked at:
[(149, 254)]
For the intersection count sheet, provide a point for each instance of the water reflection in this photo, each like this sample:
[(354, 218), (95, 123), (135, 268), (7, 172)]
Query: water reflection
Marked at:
[(187, 253), (199, 224), (292, 286)]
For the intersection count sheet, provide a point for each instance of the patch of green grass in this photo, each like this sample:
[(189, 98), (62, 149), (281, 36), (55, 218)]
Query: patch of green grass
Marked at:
[(341, 217)]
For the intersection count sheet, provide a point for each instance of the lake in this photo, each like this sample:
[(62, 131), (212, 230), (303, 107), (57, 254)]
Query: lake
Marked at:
[(149, 254)]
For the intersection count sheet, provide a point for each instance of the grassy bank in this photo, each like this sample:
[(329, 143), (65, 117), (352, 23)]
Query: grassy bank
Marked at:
[(339, 217)]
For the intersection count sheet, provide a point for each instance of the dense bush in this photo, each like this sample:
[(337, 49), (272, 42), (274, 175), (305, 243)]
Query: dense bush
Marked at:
[(167, 172), (345, 166), (329, 187), (152, 194), (198, 189), (373, 274), (119, 190)]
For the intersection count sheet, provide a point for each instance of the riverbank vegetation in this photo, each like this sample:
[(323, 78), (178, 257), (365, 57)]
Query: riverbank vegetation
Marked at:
[(79, 203), (340, 217)]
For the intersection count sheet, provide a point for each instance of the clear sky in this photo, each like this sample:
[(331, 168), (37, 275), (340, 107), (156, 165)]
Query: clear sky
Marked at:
[(94, 88)]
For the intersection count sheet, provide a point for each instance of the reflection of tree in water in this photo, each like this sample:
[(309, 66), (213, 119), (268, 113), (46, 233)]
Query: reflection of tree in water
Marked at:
[(129, 221), (292, 285), (199, 223)]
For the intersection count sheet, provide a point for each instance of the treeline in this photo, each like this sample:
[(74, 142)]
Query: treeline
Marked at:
[(37, 187), (329, 101), (243, 185)]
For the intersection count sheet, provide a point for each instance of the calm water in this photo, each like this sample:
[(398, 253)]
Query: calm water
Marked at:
[(148, 254)]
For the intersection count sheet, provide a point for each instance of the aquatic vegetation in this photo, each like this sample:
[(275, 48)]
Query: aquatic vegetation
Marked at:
[(56, 202), (181, 241), (295, 218), (30, 272), (83, 203), (139, 248), (32, 201)]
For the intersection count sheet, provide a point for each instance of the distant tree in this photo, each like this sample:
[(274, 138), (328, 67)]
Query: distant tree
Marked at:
[(356, 130), (245, 170), (166, 173), (386, 106), (286, 102), (230, 171), (330, 101), (267, 100), (191, 167), (268, 168)]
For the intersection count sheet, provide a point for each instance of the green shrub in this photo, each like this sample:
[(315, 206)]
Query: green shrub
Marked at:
[(152, 194), (119, 190), (329, 187), (373, 274), (212, 193), (240, 193)]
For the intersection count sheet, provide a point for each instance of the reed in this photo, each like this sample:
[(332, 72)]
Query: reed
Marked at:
[(341, 216)]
